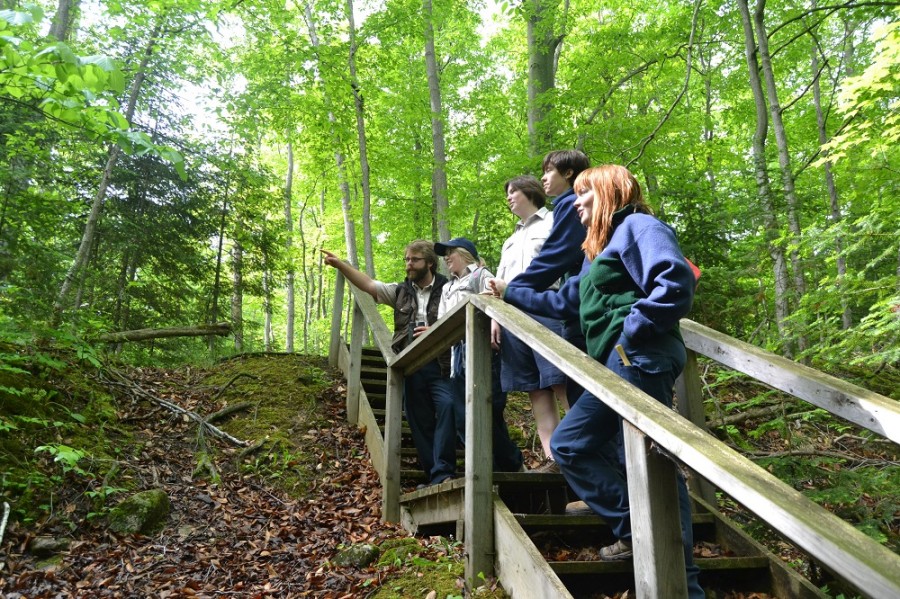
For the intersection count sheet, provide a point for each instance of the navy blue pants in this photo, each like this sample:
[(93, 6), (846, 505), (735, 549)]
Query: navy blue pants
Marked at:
[(588, 445), (507, 455), (428, 402)]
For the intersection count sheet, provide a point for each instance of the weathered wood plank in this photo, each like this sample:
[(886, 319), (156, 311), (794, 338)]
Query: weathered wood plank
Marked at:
[(479, 523), (655, 520), (860, 406), (864, 563), (689, 392), (390, 482), (520, 565), (354, 384), (337, 309), (435, 341)]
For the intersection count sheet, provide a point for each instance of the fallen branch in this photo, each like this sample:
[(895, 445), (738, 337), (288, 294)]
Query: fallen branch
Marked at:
[(220, 329), (123, 381), (227, 410), (739, 417)]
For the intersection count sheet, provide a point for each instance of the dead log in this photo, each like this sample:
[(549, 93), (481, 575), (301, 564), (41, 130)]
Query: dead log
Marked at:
[(220, 329)]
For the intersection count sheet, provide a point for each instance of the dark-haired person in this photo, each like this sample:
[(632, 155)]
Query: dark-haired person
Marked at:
[(633, 289), (523, 369), (428, 394), (561, 255), (469, 275)]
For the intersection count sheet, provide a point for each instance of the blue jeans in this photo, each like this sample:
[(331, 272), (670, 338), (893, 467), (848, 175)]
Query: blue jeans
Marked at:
[(428, 404), (507, 455), (589, 449)]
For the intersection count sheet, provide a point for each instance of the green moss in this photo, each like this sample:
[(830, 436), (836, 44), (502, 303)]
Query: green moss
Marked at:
[(284, 391)]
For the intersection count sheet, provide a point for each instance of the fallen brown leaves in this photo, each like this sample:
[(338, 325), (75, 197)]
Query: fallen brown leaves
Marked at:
[(238, 538)]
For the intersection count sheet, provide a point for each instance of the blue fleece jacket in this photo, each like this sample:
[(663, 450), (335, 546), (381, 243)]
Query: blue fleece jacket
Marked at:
[(561, 254), (652, 270)]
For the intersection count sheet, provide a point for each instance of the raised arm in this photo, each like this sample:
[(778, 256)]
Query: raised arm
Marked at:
[(355, 276)]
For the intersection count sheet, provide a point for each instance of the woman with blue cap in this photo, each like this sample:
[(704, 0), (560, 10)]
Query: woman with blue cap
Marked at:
[(468, 275)]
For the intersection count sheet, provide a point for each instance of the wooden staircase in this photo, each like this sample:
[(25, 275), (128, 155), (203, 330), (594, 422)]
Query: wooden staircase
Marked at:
[(522, 534), (534, 506)]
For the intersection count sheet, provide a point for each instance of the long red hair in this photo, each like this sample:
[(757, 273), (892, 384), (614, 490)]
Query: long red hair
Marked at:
[(614, 188)]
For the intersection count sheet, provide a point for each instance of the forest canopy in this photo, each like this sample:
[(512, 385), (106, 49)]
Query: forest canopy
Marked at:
[(179, 162)]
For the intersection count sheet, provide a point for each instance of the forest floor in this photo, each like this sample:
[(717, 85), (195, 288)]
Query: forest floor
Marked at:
[(267, 525), (267, 521)]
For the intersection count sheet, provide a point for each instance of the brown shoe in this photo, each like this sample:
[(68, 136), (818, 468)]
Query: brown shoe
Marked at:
[(620, 550), (548, 466), (578, 508)]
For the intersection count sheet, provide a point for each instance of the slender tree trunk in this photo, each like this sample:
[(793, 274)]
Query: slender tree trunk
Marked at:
[(61, 25), (308, 283), (237, 295), (289, 242), (87, 239), (763, 191), (784, 163), (267, 306), (833, 199), (363, 149), (709, 135), (544, 44), (440, 204), (346, 207), (213, 315)]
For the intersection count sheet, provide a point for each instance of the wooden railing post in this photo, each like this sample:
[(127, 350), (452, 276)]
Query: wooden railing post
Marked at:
[(655, 519), (390, 485), (337, 310), (689, 391), (479, 505), (357, 335)]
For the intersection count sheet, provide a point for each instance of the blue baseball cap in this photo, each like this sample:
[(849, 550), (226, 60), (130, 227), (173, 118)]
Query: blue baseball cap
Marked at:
[(457, 242)]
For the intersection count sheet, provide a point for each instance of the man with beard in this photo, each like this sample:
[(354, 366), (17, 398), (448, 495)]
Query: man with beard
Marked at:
[(428, 394)]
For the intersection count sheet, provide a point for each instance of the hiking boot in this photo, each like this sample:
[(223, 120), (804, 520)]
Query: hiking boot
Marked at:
[(578, 508), (619, 550), (548, 466)]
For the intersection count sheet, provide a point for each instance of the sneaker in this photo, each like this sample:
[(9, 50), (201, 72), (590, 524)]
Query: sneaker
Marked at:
[(619, 550), (548, 466), (578, 508)]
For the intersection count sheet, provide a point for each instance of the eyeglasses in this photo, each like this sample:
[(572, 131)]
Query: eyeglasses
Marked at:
[(414, 259)]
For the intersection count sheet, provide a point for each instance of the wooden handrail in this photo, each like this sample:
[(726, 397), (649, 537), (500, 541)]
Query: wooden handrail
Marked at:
[(866, 408)]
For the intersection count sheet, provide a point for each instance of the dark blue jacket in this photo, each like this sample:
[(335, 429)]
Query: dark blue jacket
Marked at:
[(561, 254)]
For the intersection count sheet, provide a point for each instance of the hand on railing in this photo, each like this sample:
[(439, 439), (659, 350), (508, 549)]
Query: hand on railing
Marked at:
[(498, 286)]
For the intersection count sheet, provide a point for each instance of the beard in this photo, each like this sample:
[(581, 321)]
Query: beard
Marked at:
[(418, 275)]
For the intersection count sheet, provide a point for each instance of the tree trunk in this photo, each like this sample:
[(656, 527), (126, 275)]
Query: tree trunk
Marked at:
[(708, 131), (87, 239), (763, 191), (363, 150), (217, 279), (440, 224), (346, 207), (61, 25), (833, 199), (784, 163), (237, 295), (289, 243), (544, 44), (267, 307), (220, 328)]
